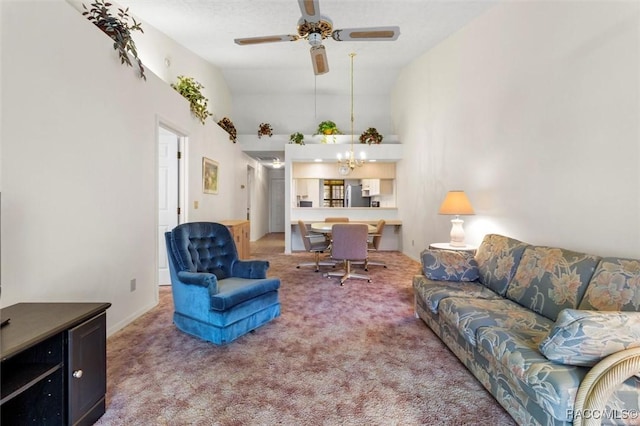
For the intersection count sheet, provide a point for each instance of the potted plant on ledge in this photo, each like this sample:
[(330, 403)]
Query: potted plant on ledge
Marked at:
[(327, 128), (297, 138), (118, 28), (370, 136), (191, 90), (265, 129), (228, 126)]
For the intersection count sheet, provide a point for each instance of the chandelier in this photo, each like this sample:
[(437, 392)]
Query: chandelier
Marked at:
[(350, 162)]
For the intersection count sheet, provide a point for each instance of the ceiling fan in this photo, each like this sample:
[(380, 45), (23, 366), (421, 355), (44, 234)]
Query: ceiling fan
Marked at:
[(314, 28)]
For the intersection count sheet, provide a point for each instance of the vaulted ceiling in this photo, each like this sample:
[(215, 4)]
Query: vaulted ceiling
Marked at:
[(209, 27)]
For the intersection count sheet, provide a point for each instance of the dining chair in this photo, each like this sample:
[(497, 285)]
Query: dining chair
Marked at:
[(336, 219), (373, 244), (349, 245), (313, 244)]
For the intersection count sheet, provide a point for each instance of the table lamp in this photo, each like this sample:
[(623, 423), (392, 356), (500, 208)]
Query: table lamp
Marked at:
[(456, 203)]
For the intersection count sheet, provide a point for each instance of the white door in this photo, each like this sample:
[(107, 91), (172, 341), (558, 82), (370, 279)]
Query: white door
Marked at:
[(250, 173), (168, 195), (276, 203)]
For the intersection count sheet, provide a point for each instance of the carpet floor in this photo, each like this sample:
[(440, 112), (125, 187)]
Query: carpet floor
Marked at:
[(351, 355)]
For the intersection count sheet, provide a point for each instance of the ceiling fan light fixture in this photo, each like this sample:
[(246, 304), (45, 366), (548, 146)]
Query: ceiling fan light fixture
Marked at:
[(315, 39), (314, 27), (319, 60)]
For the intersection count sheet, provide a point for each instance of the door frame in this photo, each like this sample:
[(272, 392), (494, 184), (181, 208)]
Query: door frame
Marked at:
[(182, 183)]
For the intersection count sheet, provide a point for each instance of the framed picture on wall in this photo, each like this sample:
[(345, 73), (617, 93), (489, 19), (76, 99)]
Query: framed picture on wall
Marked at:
[(209, 176)]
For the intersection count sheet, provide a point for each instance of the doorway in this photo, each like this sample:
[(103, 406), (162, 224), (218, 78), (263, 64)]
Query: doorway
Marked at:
[(169, 193), (250, 180), (276, 205)]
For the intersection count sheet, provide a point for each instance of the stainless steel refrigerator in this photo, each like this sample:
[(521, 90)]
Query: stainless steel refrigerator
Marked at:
[(353, 197)]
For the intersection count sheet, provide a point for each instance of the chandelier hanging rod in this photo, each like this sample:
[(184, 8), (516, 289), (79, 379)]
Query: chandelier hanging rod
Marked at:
[(350, 162)]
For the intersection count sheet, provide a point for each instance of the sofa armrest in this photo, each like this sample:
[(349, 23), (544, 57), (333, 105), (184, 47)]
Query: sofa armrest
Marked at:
[(256, 269), (202, 279), (583, 338), (598, 385), (448, 265)]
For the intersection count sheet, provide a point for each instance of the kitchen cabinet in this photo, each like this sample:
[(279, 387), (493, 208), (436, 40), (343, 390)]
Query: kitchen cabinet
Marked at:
[(386, 186), (241, 232), (370, 187)]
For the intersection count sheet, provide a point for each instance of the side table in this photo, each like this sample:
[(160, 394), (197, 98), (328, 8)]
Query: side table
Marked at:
[(446, 246)]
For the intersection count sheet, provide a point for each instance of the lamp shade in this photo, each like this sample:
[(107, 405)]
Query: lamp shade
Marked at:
[(456, 202)]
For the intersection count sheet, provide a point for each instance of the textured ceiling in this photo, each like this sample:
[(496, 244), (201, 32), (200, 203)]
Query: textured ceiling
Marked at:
[(208, 28)]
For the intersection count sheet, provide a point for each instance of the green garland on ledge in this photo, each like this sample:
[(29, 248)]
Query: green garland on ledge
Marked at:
[(118, 28), (190, 89)]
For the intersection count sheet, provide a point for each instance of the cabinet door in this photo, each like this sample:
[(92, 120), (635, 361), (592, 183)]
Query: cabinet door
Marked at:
[(246, 237), (86, 373), (374, 187), (236, 233)]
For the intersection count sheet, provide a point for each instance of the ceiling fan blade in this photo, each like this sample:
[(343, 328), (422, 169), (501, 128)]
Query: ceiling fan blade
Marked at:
[(366, 34), (266, 39), (310, 10), (319, 60)]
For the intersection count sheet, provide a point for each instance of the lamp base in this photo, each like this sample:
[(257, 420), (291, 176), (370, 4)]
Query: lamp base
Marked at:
[(457, 233)]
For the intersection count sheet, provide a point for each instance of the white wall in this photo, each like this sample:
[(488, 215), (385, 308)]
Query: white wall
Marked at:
[(532, 109), (288, 114), (79, 164), (168, 59)]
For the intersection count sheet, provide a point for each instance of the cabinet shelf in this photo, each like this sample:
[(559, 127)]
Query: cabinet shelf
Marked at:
[(42, 344), (19, 380)]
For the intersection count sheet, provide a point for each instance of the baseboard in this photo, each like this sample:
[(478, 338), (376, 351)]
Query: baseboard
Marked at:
[(128, 320)]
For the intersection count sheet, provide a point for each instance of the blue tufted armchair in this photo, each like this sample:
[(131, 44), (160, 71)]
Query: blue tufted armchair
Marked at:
[(216, 296)]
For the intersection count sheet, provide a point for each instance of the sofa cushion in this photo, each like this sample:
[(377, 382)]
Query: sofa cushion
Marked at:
[(519, 366), (498, 257), (615, 286), (549, 279), (449, 265), (468, 315), (431, 292), (585, 337)]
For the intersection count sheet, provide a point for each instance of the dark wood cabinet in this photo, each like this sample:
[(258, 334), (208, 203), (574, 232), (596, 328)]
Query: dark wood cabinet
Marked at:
[(53, 363), (86, 370)]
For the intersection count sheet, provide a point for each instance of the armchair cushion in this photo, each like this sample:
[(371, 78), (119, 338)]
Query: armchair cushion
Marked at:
[(233, 291), (583, 338), (250, 269), (204, 247), (202, 279), (449, 265)]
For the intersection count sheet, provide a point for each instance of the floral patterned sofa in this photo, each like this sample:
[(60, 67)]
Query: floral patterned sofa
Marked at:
[(553, 334)]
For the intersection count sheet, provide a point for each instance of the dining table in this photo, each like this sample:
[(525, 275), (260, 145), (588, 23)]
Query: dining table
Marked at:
[(325, 227)]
